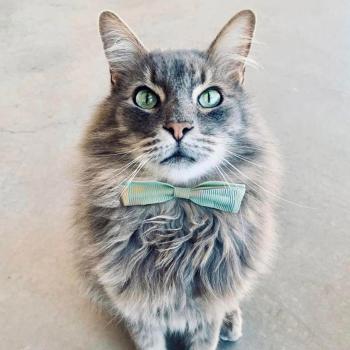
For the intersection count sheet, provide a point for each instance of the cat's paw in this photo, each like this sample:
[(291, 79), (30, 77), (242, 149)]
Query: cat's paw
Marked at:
[(230, 334), (231, 329)]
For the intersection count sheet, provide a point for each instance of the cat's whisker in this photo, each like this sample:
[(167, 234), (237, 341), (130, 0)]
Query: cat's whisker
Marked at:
[(134, 174), (122, 154), (262, 149), (125, 167), (136, 161), (149, 150), (219, 169), (225, 173), (225, 176), (142, 159), (266, 190), (247, 160), (134, 150), (260, 166), (139, 144)]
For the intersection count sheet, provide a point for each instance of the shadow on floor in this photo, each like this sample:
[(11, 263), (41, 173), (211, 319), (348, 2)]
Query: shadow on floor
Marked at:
[(179, 343)]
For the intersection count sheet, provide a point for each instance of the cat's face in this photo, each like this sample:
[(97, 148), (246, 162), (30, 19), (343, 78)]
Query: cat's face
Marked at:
[(178, 114)]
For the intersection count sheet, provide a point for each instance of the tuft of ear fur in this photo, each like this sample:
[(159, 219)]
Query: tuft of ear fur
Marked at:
[(231, 46), (120, 44)]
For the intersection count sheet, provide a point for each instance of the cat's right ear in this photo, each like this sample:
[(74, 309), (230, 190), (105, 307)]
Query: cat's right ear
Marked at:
[(121, 46)]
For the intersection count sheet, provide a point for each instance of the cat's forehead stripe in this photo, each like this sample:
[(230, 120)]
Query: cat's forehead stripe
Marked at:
[(174, 73)]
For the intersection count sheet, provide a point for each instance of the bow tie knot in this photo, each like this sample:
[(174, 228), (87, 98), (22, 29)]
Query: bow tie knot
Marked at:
[(182, 192), (213, 194)]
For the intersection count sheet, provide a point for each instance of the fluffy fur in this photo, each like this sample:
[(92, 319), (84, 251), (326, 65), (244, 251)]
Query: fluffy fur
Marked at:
[(175, 267)]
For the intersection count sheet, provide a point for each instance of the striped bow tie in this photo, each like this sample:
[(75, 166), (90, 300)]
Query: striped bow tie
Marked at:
[(212, 194)]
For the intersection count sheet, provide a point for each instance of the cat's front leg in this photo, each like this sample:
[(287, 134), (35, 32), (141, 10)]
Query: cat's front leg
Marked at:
[(206, 336), (231, 328), (147, 336)]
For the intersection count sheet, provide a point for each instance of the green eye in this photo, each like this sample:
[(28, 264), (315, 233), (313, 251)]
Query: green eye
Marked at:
[(210, 98), (146, 98)]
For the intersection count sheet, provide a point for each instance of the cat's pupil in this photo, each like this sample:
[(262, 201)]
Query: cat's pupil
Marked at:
[(145, 98), (148, 98)]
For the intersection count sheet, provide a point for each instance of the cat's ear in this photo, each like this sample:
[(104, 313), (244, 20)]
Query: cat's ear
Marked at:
[(121, 46), (230, 48)]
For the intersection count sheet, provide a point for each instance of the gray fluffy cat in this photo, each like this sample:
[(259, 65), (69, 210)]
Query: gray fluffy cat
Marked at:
[(181, 117)]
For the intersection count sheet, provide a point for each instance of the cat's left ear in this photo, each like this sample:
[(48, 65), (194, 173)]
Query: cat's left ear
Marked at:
[(231, 47), (122, 47)]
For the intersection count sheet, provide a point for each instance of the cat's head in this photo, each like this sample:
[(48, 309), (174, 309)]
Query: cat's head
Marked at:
[(178, 114)]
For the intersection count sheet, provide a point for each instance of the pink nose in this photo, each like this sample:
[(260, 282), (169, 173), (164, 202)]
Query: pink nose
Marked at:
[(178, 130)]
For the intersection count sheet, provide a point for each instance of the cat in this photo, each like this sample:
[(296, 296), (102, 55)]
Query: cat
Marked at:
[(181, 117)]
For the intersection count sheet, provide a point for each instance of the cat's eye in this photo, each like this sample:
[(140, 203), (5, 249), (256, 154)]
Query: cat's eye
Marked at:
[(210, 98), (145, 98)]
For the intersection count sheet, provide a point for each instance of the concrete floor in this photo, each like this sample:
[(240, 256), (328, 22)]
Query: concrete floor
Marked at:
[(53, 72)]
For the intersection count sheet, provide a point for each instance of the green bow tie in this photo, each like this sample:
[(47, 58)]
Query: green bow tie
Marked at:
[(212, 194)]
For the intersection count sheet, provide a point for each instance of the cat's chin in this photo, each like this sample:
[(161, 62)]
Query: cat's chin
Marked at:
[(183, 171)]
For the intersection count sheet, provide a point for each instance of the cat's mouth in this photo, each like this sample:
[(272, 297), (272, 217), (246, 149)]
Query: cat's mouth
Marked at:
[(177, 157)]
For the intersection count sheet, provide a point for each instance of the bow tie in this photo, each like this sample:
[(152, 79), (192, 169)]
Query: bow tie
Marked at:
[(213, 194)]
